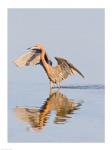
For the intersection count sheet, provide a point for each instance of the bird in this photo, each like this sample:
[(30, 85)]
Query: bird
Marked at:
[(38, 117), (38, 55)]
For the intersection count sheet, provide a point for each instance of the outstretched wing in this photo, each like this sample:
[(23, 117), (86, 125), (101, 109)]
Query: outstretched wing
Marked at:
[(28, 58), (67, 68), (31, 57)]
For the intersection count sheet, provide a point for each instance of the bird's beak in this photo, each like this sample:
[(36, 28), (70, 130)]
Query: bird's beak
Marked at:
[(32, 48)]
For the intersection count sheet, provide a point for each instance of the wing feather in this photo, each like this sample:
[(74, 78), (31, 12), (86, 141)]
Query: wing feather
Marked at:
[(28, 58), (67, 68)]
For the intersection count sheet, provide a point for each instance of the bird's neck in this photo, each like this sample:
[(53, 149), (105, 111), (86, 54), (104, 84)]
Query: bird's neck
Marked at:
[(43, 52), (45, 64)]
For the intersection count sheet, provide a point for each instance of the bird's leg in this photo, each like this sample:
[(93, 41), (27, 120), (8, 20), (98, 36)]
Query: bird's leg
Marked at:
[(51, 84), (51, 91), (58, 84)]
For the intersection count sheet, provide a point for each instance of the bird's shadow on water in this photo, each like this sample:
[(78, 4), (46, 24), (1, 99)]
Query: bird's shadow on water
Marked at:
[(63, 107)]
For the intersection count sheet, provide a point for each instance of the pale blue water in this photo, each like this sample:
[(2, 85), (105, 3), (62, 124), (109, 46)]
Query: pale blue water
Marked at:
[(77, 35), (85, 123)]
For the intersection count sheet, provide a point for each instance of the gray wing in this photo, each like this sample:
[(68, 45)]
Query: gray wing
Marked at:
[(67, 68), (27, 59)]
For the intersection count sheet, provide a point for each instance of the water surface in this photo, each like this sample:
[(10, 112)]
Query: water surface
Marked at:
[(71, 114), (76, 112)]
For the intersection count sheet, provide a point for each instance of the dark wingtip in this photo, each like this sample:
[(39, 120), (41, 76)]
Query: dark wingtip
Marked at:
[(83, 76), (80, 73)]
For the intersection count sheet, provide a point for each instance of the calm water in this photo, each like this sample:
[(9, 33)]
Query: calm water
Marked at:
[(74, 114), (71, 114)]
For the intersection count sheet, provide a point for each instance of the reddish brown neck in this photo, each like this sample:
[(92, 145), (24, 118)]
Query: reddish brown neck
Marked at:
[(45, 64), (43, 52)]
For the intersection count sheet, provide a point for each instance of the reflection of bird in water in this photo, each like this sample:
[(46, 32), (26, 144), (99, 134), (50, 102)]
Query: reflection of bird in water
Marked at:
[(38, 55), (57, 102)]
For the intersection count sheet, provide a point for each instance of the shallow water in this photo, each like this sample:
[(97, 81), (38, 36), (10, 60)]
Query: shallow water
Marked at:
[(71, 114), (75, 113)]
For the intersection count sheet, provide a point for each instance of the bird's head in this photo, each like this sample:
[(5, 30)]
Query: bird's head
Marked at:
[(38, 48)]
